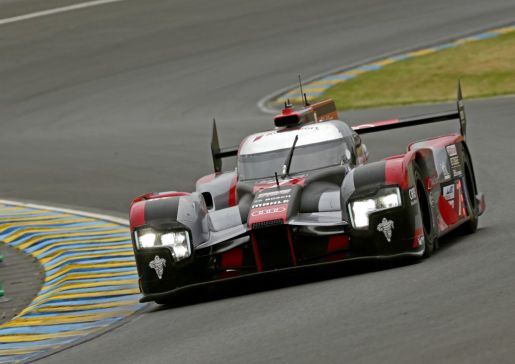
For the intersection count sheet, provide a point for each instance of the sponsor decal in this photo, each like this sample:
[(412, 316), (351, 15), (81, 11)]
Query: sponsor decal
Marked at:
[(275, 193), (448, 192), (445, 170), (263, 214), (309, 128), (386, 227), (269, 211), (271, 203), (158, 264), (456, 166), (412, 195), (272, 198), (451, 150)]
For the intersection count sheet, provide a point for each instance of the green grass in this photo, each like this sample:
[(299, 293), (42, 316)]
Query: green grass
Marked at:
[(485, 68)]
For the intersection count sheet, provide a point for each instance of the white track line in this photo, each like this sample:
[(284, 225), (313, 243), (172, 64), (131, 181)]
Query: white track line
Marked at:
[(56, 11), (114, 219)]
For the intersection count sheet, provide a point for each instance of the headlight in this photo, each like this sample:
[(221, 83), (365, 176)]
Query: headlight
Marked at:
[(386, 198), (177, 241), (145, 238)]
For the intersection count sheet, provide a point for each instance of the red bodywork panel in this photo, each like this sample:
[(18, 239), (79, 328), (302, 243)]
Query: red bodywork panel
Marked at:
[(232, 259), (206, 179), (232, 191), (263, 185), (418, 233), (318, 112), (137, 212), (257, 255), (268, 213), (376, 123), (448, 213), (439, 142), (152, 195)]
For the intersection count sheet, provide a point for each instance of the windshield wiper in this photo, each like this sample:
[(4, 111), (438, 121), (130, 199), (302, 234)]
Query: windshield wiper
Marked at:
[(287, 162)]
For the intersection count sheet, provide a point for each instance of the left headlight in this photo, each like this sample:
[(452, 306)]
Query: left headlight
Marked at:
[(386, 198), (177, 241)]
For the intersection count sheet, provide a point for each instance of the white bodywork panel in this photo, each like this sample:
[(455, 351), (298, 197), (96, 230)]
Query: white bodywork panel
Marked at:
[(283, 139)]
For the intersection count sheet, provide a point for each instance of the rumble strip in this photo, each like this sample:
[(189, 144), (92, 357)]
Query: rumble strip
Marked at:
[(90, 277)]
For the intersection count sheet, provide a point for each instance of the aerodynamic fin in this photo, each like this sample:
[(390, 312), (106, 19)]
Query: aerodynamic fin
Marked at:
[(458, 114), (220, 153), (461, 111)]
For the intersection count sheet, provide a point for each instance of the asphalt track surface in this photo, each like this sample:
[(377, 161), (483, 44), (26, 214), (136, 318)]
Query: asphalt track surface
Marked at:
[(105, 103)]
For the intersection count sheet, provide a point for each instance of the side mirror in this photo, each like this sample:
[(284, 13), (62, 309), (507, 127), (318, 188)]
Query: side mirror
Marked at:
[(357, 140)]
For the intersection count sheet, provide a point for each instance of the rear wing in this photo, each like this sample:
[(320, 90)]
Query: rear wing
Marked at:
[(220, 153), (458, 114)]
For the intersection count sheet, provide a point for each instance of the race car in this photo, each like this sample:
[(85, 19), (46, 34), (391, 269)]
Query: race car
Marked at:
[(305, 194)]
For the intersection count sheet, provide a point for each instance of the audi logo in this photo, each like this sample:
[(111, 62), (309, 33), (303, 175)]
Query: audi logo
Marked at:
[(274, 210)]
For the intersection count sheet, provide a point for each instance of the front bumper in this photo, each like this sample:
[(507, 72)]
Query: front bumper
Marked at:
[(266, 251), (163, 295)]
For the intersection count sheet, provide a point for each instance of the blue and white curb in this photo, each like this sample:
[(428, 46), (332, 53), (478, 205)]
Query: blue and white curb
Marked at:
[(91, 282)]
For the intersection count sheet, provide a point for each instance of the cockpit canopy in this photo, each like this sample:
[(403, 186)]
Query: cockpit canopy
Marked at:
[(319, 145)]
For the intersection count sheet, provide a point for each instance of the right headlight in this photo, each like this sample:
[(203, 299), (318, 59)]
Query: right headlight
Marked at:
[(179, 242), (146, 238), (360, 209)]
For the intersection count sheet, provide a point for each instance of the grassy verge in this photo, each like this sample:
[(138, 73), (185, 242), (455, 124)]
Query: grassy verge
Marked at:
[(486, 68)]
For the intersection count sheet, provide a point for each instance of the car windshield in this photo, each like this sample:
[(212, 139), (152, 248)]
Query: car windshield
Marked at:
[(305, 158)]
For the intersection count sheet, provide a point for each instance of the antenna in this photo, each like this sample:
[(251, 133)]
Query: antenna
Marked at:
[(302, 94)]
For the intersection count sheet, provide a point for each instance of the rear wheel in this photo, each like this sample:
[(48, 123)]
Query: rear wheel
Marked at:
[(470, 190), (430, 239)]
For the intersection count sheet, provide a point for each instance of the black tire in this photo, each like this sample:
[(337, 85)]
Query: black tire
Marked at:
[(430, 238), (470, 188)]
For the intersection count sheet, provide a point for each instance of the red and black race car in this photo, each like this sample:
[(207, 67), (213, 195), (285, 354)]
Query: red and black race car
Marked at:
[(304, 194)]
